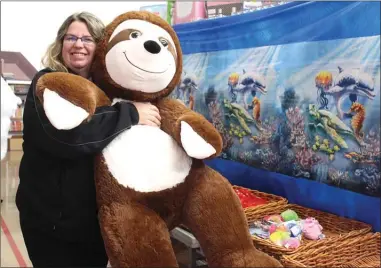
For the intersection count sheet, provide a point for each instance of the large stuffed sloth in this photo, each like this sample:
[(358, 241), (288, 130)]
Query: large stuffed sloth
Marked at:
[(151, 179)]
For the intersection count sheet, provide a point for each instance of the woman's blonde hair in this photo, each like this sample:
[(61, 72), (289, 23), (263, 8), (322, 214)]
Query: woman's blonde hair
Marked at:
[(53, 56)]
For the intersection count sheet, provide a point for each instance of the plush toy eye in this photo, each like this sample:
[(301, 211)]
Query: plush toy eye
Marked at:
[(163, 42), (135, 34)]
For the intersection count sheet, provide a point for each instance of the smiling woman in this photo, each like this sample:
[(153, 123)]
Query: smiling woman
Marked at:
[(75, 44), (56, 194), (78, 48)]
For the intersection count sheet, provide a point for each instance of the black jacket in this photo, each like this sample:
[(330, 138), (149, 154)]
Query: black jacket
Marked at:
[(57, 190)]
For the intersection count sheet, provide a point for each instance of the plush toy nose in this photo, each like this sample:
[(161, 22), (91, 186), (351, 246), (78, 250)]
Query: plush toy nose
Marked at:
[(152, 47)]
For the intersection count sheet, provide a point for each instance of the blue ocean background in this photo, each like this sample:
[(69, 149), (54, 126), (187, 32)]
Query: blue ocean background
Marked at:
[(289, 45), (294, 66)]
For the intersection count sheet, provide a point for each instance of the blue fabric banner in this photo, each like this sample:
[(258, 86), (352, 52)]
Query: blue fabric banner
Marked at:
[(295, 92)]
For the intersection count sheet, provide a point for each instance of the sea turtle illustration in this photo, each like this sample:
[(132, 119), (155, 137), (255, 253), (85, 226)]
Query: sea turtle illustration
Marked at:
[(329, 123)]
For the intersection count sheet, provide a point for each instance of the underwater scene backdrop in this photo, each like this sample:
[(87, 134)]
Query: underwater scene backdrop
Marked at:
[(309, 110)]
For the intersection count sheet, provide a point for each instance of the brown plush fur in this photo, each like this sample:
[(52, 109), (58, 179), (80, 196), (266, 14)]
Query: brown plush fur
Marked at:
[(136, 225)]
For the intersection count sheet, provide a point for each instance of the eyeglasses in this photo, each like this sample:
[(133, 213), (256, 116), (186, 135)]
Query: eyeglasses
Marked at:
[(87, 40)]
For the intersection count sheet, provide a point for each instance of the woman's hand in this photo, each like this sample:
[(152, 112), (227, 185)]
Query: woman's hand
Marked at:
[(148, 114)]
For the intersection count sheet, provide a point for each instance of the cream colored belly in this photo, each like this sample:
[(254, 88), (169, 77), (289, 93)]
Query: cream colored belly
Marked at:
[(146, 159)]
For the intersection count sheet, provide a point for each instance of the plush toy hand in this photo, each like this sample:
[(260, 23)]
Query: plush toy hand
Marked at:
[(68, 99), (198, 137)]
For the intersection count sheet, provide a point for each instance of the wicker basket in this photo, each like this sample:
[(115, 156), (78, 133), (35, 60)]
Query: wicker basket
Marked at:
[(333, 227), (273, 201), (360, 251)]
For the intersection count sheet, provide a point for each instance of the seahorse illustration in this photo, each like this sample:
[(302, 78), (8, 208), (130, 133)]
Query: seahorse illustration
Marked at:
[(256, 110), (357, 119)]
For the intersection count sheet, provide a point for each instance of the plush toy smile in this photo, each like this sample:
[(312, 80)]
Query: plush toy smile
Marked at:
[(147, 53), (125, 54)]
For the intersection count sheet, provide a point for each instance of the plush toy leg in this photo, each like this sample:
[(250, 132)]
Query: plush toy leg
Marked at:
[(214, 214), (135, 236)]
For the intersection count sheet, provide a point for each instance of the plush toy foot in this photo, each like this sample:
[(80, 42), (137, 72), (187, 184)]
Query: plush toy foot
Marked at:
[(135, 236), (215, 216), (61, 113), (194, 145)]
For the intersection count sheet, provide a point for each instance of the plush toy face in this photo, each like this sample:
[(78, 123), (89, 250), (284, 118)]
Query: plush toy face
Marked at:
[(140, 57)]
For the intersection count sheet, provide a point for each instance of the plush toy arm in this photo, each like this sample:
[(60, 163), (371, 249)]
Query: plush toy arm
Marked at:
[(88, 137), (199, 138), (69, 99)]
